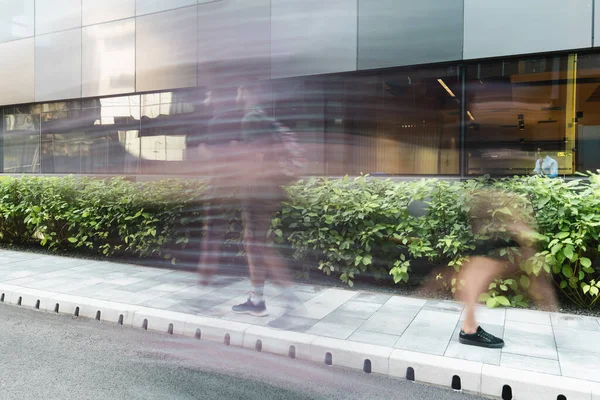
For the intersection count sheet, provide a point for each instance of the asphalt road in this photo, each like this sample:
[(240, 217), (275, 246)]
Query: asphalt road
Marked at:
[(46, 356)]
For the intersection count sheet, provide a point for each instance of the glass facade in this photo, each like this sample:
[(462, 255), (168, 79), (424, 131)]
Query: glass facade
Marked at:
[(463, 119), (138, 134)]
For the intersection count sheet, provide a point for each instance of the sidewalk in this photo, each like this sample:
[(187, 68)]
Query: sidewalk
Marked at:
[(546, 355)]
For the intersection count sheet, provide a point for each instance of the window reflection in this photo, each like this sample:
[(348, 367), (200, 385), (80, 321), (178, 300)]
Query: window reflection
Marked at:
[(395, 122), (404, 121), (21, 140), (518, 106), (588, 112), (170, 121)]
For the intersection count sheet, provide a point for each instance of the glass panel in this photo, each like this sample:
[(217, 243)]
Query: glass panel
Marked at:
[(109, 58), (496, 28), (588, 112), (311, 37), (516, 107), (58, 65), (403, 122), (153, 6), (16, 19), (95, 136), (408, 32), (170, 123), (299, 104), (21, 140), (234, 33), (166, 50), (16, 62), (95, 12), (56, 15)]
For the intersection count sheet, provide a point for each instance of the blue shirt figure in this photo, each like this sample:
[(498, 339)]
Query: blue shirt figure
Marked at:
[(546, 165)]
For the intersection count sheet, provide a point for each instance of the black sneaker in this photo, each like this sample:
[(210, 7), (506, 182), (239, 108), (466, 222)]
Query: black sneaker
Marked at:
[(481, 339), (258, 310)]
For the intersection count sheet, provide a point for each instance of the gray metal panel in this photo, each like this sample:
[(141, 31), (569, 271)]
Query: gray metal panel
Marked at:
[(234, 33), (597, 23), (16, 68), (166, 50), (313, 37), (108, 58), (57, 15), (408, 32), (96, 12), (58, 65), (152, 6), (16, 19), (505, 27)]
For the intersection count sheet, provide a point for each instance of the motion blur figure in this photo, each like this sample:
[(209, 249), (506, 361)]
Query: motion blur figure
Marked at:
[(261, 195), (242, 157), (218, 165), (504, 225)]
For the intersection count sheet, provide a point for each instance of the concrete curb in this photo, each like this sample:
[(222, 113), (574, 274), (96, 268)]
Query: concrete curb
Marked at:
[(469, 376)]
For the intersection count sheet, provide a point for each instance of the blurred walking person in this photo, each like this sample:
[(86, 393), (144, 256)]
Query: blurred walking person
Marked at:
[(272, 158), (218, 158), (505, 227)]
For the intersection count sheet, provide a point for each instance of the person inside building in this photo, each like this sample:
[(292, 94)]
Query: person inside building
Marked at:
[(545, 165)]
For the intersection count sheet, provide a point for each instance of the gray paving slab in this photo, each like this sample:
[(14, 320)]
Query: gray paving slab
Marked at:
[(273, 314), (527, 339), (16, 274), (192, 292), (575, 322), (222, 295), (577, 339), (399, 302), (48, 283), (391, 323), (316, 289), (87, 281), (152, 273), (377, 298), (473, 353), (282, 301), (356, 309), (535, 341), (172, 287), (291, 323), (336, 327), (91, 290), (530, 316), (125, 281), (22, 281), (188, 307), (379, 339), (122, 296), (443, 306), (161, 303), (141, 285), (533, 364), (430, 332), (579, 364), (323, 304)]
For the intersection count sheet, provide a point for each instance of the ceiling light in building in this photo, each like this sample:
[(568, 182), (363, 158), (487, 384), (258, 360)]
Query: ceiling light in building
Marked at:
[(446, 87), (471, 117)]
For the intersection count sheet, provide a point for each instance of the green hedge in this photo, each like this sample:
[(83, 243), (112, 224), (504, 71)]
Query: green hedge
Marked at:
[(342, 227), (108, 217), (363, 225)]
